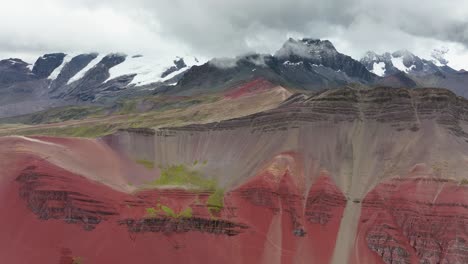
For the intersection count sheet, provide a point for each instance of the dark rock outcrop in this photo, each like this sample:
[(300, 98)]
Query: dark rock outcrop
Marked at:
[(47, 63), (182, 225), (50, 201), (309, 64), (402, 108), (178, 64), (322, 52), (14, 71), (69, 70), (87, 87)]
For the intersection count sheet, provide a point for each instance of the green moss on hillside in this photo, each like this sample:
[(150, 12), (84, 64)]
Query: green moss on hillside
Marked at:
[(169, 212), (180, 175), (215, 201), (152, 212), (147, 163), (90, 131), (187, 213), (55, 115), (77, 260)]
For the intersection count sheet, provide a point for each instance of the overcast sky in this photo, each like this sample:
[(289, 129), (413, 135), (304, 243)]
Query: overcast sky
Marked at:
[(208, 28)]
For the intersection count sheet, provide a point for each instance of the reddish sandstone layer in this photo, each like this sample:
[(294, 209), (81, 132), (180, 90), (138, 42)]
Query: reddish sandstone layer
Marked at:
[(52, 215), (249, 88), (414, 220)]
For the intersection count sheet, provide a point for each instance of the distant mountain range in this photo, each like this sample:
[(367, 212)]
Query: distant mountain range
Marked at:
[(307, 64)]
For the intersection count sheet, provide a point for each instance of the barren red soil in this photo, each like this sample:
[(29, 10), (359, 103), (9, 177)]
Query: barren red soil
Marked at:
[(249, 88), (52, 211), (52, 215), (414, 220)]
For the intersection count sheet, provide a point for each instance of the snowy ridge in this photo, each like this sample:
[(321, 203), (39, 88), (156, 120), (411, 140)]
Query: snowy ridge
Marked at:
[(293, 63), (406, 62), (398, 63), (57, 70), (83, 71), (148, 69), (379, 68)]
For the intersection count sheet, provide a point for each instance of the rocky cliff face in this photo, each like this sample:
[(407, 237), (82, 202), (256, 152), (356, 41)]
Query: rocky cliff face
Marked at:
[(13, 71), (322, 52), (300, 64), (404, 69), (46, 64), (340, 176), (363, 176), (309, 64), (63, 79)]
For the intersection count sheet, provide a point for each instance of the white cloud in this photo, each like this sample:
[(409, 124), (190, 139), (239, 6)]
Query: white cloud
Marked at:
[(228, 28)]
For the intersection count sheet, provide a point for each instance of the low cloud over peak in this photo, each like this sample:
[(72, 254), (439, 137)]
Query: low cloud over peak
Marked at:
[(213, 28)]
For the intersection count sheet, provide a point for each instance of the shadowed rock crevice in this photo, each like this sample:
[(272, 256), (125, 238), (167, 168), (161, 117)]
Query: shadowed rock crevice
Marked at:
[(46, 197), (169, 225), (403, 228)]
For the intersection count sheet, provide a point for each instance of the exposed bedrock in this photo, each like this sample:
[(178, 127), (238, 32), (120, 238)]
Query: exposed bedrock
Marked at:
[(414, 220), (271, 218), (49, 194), (359, 137), (344, 176)]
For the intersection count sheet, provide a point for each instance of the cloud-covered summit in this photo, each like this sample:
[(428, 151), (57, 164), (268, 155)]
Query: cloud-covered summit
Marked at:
[(213, 28)]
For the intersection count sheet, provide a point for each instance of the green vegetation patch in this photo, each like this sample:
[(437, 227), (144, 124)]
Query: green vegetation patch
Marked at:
[(169, 212), (187, 213), (127, 107), (147, 163), (152, 212), (215, 201), (77, 260), (89, 131), (56, 115), (180, 175), (464, 182)]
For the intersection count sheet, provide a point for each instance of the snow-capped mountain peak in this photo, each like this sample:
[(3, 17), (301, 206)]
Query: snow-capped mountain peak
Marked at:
[(83, 71), (307, 48), (399, 61), (438, 56), (57, 70), (149, 70)]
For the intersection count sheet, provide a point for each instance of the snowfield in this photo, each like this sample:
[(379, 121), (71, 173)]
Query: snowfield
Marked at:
[(57, 70), (379, 68), (88, 67), (148, 69), (398, 63)]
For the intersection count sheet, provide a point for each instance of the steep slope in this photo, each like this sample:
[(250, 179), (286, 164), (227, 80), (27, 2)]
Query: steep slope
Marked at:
[(341, 176), (309, 64), (46, 64), (403, 61), (14, 70), (21, 91), (322, 52), (60, 204), (150, 111), (404, 69), (360, 137), (58, 79)]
